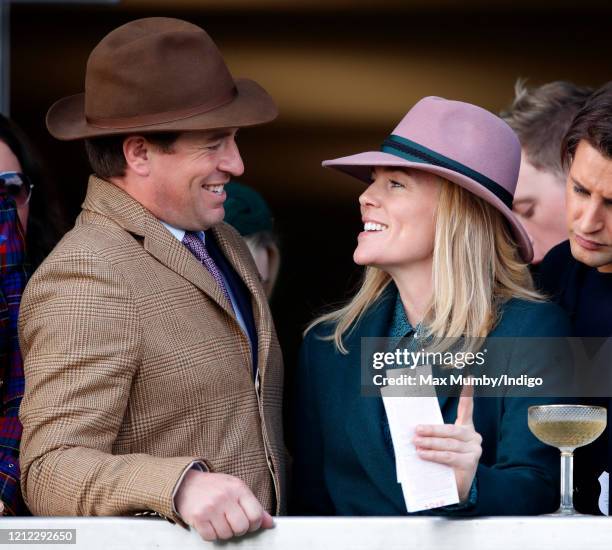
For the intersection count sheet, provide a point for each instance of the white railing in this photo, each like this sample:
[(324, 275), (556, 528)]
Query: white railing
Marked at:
[(523, 533)]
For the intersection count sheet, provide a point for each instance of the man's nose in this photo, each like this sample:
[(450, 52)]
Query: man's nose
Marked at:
[(232, 161), (591, 220)]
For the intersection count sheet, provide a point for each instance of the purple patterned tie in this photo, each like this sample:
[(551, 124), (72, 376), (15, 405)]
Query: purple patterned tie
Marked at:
[(197, 247)]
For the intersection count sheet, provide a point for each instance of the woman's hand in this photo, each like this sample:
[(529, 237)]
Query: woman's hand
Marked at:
[(458, 445)]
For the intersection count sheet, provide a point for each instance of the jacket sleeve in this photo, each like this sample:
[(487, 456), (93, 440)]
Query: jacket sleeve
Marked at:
[(525, 477), (309, 494), (80, 337)]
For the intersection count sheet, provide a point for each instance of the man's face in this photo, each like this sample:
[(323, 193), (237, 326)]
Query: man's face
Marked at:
[(589, 207), (539, 202), (186, 185)]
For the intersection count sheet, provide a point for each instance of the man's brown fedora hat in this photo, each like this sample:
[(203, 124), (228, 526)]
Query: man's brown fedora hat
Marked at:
[(157, 75)]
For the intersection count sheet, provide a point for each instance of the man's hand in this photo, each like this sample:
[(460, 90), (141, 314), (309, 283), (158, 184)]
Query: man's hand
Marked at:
[(219, 506), (1, 508), (457, 445)]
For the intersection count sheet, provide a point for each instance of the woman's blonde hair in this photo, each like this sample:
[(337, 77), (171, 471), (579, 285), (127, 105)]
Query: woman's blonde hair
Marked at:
[(476, 268)]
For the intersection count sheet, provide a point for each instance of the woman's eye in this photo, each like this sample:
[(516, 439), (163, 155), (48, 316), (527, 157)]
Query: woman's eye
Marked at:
[(394, 183)]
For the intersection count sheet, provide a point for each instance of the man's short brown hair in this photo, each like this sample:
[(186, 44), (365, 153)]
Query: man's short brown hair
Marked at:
[(106, 156), (541, 117), (593, 123)]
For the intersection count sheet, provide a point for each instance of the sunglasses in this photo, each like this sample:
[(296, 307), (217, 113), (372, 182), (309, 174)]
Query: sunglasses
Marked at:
[(17, 186)]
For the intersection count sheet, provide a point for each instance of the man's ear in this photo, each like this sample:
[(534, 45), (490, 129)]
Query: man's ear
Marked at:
[(137, 152)]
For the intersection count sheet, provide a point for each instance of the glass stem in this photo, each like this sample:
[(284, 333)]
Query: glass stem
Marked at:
[(567, 482)]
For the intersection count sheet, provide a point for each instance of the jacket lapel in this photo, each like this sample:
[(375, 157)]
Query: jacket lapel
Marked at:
[(442, 399), (234, 250), (365, 415), (162, 245)]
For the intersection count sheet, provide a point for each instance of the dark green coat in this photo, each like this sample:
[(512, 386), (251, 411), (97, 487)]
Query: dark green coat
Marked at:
[(343, 459)]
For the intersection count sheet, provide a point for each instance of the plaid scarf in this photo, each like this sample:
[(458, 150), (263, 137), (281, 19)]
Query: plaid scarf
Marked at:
[(13, 277)]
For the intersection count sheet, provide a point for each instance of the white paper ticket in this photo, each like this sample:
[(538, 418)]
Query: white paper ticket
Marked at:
[(425, 484)]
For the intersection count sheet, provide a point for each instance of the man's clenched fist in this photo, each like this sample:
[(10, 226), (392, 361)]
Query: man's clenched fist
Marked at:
[(219, 506)]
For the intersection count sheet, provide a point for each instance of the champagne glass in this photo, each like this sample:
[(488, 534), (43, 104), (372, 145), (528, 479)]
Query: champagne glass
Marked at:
[(567, 427)]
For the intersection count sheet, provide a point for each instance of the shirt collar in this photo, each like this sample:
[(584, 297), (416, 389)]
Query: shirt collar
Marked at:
[(180, 233), (400, 326)]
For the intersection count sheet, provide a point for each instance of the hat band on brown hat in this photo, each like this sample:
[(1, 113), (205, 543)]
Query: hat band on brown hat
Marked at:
[(166, 116)]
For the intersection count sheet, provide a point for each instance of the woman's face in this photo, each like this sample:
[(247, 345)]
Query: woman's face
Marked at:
[(398, 212), (9, 163)]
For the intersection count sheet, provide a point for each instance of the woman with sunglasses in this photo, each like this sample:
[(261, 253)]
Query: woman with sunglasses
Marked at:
[(28, 230), (23, 179), (445, 258)]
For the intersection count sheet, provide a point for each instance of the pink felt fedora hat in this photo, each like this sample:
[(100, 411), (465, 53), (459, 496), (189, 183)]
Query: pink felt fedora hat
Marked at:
[(458, 141)]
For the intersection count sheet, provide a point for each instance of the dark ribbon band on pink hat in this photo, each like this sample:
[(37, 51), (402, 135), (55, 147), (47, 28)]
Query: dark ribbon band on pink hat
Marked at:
[(414, 152)]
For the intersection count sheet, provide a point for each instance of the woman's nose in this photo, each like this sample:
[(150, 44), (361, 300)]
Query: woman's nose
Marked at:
[(369, 197)]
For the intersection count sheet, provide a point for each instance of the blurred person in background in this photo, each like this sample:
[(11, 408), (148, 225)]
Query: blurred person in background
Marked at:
[(578, 272), (29, 227), (248, 212), (445, 257), (540, 118)]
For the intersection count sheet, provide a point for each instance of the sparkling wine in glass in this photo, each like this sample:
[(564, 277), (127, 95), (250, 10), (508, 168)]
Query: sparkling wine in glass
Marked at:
[(567, 427)]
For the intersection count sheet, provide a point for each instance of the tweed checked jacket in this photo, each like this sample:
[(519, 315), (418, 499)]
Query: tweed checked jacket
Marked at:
[(135, 366)]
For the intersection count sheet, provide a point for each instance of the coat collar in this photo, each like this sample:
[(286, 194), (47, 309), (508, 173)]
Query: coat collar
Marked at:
[(108, 200)]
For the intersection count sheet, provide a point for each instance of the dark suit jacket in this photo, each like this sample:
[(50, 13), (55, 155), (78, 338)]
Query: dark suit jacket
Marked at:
[(570, 284), (343, 464)]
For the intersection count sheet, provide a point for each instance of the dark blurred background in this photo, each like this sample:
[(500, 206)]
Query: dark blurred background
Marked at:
[(343, 73)]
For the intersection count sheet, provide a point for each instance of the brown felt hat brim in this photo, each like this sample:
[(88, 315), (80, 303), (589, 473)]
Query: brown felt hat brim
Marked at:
[(251, 106)]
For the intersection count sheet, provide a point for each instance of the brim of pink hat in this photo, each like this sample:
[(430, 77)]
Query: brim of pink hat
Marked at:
[(360, 166)]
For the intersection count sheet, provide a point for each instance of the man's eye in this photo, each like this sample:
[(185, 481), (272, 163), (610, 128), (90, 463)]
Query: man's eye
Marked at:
[(396, 183), (524, 209), (580, 190)]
